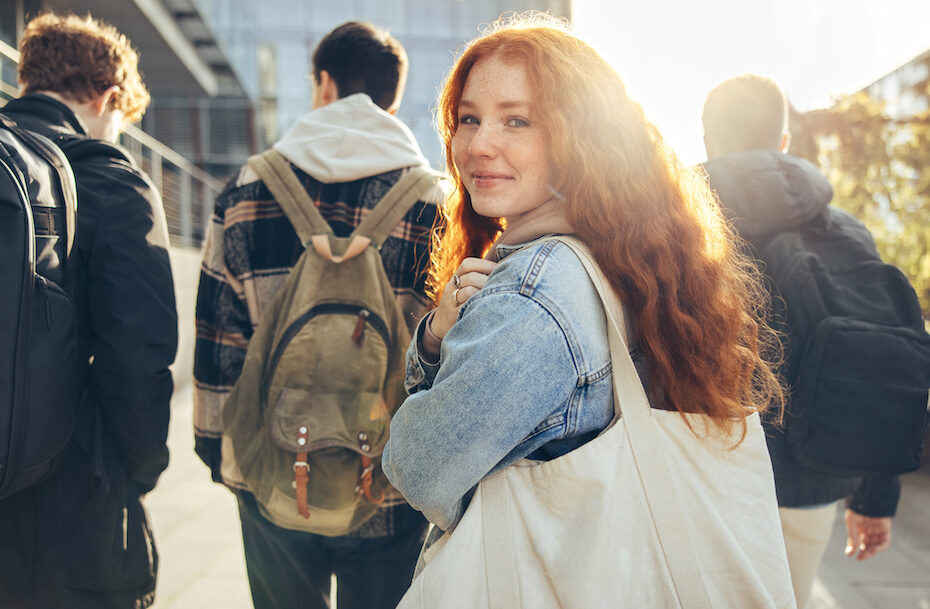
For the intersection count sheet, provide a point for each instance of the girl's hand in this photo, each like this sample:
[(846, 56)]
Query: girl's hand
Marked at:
[(468, 279)]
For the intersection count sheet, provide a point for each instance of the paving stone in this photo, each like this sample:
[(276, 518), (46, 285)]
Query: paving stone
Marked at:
[(898, 597), (166, 518), (210, 592), (195, 553), (231, 563), (832, 591), (185, 266)]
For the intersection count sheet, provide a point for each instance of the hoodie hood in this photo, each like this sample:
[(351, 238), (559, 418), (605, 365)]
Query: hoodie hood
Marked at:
[(767, 191), (350, 139)]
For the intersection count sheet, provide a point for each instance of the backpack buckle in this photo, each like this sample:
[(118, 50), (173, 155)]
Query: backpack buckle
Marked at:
[(301, 480), (365, 480)]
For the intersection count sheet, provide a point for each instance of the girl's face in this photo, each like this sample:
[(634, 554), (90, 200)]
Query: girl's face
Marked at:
[(499, 150)]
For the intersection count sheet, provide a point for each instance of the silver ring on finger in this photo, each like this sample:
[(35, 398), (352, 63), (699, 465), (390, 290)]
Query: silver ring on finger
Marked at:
[(455, 297), (456, 281)]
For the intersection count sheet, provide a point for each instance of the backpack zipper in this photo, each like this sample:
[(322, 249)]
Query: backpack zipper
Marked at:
[(48, 305), (327, 309)]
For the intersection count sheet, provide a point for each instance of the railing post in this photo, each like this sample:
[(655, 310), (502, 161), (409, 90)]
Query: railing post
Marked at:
[(185, 207), (155, 172), (206, 208), (135, 148)]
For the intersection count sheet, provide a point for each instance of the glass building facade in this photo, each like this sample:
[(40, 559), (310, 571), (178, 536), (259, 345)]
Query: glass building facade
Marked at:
[(269, 43), (263, 64), (906, 90)]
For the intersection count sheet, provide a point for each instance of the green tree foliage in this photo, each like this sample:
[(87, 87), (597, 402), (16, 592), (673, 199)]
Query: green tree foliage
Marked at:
[(880, 171)]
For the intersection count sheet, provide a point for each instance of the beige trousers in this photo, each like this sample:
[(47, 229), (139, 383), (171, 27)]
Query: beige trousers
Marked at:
[(806, 532)]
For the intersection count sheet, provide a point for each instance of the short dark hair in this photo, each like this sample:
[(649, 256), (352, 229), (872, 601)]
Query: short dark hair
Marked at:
[(747, 112), (361, 58)]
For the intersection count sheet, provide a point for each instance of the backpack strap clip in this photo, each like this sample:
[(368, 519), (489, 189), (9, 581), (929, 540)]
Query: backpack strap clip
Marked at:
[(302, 473), (365, 479)]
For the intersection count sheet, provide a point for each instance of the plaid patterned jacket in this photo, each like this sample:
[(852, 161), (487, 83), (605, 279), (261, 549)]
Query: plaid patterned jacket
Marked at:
[(250, 249)]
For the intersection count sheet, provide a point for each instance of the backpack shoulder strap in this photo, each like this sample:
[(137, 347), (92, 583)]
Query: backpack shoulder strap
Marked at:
[(57, 158), (409, 189), (275, 171), (313, 229)]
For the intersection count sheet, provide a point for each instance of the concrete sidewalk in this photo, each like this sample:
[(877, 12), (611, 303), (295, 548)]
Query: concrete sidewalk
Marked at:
[(196, 525), (196, 522)]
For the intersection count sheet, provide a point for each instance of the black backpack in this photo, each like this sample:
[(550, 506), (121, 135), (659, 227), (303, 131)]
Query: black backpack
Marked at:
[(858, 357), (38, 320)]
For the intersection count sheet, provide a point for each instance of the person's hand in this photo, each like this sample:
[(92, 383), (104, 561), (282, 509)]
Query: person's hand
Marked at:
[(470, 277), (867, 536)]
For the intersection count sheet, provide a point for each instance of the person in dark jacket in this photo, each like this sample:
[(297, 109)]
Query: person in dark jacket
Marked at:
[(81, 538), (765, 191)]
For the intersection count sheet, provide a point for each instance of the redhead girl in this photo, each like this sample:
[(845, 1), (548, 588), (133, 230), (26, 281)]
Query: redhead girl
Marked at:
[(542, 139)]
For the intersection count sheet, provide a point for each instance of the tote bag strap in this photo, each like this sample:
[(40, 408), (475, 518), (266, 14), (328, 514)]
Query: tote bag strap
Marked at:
[(501, 572), (665, 503)]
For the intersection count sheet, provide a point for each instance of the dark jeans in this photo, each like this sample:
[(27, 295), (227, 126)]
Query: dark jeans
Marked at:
[(291, 570)]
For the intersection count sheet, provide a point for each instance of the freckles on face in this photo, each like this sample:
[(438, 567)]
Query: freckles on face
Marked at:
[(500, 148)]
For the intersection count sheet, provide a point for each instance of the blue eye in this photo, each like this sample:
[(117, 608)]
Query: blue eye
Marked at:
[(468, 120), (518, 122)]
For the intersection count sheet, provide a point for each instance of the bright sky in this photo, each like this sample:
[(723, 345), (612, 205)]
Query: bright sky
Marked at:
[(672, 52)]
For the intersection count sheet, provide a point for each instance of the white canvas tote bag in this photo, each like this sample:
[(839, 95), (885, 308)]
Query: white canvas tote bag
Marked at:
[(646, 515)]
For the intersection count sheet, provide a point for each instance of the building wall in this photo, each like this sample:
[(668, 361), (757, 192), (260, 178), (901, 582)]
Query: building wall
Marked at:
[(270, 48), (268, 44), (906, 90), (13, 16)]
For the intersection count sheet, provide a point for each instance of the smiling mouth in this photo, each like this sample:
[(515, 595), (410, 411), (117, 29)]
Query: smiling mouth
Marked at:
[(488, 179)]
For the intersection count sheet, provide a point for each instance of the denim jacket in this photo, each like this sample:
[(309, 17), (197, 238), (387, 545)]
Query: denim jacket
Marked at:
[(524, 372)]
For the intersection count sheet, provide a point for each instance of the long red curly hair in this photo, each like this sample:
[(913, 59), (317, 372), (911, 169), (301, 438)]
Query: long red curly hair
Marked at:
[(653, 225)]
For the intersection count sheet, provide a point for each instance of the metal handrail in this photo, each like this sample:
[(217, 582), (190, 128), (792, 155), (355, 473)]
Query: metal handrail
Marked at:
[(187, 204), (8, 90), (172, 157), (9, 52), (132, 131)]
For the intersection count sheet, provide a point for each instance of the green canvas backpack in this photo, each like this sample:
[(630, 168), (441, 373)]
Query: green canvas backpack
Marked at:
[(309, 416)]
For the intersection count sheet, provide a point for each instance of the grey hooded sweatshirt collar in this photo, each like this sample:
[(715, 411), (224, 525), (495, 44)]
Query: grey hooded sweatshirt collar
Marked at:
[(766, 191), (350, 139)]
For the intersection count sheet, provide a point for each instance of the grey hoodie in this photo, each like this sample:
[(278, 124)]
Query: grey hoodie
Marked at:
[(349, 139)]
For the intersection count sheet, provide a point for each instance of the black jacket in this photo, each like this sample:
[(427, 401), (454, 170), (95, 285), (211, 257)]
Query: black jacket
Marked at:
[(765, 192), (81, 538)]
